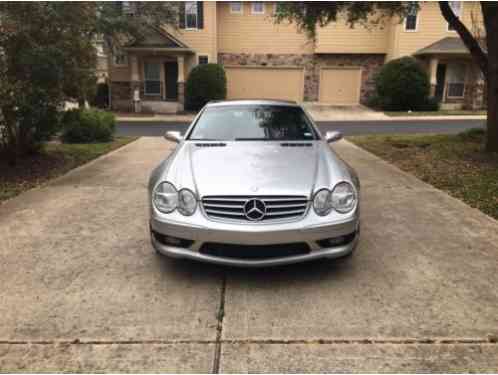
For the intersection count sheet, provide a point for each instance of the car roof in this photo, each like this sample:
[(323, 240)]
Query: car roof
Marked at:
[(221, 103)]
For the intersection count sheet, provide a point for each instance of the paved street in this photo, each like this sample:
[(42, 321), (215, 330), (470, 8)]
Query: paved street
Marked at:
[(82, 289), (137, 128)]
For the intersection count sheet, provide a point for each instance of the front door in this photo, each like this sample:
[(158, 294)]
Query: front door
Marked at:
[(440, 80), (171, 77)]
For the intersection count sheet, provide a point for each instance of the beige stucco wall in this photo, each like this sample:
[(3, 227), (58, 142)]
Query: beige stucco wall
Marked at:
[(338, 37), (431, 28), (255, 33), (202, 41)]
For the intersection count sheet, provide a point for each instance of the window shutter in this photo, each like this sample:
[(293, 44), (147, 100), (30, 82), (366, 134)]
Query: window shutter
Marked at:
[(181, 15), (200, 15)]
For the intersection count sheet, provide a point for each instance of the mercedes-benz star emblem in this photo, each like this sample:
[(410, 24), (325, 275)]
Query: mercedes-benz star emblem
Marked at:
[(254, 209)]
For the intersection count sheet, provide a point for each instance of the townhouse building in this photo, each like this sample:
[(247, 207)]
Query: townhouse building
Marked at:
[(263, 59)]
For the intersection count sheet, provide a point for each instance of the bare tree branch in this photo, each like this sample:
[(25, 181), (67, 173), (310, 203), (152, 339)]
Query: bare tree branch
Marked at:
[(479, 56)]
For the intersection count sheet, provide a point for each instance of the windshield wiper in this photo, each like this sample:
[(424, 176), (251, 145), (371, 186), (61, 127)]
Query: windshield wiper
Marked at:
[(251, 139), (206, 139)]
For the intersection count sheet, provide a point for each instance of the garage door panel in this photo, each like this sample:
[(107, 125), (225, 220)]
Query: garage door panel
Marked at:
[(340, 85), (264, 83)]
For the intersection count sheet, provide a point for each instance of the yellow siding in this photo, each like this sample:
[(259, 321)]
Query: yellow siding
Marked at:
[(202, 41), (338, 37), (431, 28), (251, 33)]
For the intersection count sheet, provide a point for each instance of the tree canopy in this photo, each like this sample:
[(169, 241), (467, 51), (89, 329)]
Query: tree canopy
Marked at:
[(310, 15), (48, 55)]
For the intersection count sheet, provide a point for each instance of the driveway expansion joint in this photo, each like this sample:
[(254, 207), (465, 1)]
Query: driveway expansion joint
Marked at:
[(219, 328), (491, 340)]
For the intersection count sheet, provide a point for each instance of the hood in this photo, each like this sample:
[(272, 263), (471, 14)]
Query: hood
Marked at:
[(253, 168)]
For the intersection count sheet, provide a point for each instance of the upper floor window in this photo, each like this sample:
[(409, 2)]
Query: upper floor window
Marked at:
[(411, 21), (203, 59), (456, 7), (258, 7), (119, 57), (236, 7), (191, 19)]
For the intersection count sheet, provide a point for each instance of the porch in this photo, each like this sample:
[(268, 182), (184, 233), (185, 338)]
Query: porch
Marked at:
[(455, 80), (152, 79)]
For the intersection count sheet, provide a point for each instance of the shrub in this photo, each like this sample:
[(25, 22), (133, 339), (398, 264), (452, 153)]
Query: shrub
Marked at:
[(473, 135), (431, 104), (402, 85), (205, 82), (87, 126)]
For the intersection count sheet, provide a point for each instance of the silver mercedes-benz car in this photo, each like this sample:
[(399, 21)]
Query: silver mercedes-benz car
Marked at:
[(254, 183)]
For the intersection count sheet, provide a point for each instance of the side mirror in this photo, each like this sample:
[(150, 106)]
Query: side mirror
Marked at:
[(333, 136), (173, 136)]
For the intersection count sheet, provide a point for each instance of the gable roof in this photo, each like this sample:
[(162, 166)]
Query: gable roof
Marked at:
[(159, 39), (448, 45)]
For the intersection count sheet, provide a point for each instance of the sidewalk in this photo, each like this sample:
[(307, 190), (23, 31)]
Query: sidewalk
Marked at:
[(318, 111), (134, 117)]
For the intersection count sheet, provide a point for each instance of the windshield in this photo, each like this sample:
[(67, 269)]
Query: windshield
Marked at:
[(253, 123)]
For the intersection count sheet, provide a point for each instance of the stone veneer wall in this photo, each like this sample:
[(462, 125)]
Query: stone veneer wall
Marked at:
[(312, 63), (475, 90), (121, 96)]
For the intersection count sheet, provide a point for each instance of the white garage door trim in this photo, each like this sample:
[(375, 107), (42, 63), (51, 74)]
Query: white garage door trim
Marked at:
[(360, 71), (280, 67)]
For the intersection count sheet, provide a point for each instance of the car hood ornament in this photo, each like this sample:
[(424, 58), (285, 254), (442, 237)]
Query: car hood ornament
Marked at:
[(254, 209)]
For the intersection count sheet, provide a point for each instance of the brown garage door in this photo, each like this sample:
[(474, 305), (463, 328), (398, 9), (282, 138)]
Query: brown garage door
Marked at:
[(340, 85), (264, 83)]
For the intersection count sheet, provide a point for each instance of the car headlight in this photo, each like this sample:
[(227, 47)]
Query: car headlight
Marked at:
[(343, 197), (165, 197), (187, 202), (322, 202)]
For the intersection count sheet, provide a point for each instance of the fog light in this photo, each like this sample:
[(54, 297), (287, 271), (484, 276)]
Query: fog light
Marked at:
[(336, 241), (172, 241)]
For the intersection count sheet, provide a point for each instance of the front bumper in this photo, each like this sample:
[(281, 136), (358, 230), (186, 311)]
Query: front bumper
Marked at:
[(216, 232)]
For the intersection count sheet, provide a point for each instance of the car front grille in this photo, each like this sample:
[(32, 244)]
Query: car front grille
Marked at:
[(233, 207), (254, 251)]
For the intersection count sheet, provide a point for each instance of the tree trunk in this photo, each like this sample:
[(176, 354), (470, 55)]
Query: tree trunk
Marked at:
[(490, 15)]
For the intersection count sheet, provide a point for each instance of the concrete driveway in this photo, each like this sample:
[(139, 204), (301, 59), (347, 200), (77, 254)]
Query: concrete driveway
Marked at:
[(82, 290)]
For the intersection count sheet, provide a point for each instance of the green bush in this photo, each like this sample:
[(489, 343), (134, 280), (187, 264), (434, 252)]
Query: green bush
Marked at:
[(402, 85), (431, 104), (87, 126), (205, 82)]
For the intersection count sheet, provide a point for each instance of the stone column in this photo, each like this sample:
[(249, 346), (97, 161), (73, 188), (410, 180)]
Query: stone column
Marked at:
[(134, 83), (433, 75), (181, 81)]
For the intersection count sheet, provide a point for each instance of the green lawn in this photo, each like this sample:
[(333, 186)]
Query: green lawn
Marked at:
[(453, 163), (54, 160), (437, 113)]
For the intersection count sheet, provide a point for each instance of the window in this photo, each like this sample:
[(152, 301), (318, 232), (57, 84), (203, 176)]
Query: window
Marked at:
[(119, 58), (253, 123), (236, 7), (191, 14), (411, 21), (203, 59), (258, 7), (456, 7), (152, 73), (456, 80)]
